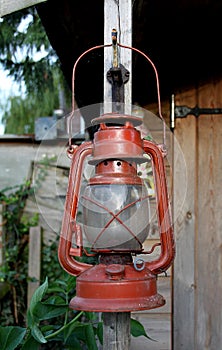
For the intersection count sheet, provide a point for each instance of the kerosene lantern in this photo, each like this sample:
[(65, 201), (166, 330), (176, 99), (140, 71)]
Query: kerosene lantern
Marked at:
[(115, 219)]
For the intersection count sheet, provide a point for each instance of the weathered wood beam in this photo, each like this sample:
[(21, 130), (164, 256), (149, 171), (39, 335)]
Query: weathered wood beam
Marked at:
[(116, 330), (118, 15), (10, 6), (34, 265)]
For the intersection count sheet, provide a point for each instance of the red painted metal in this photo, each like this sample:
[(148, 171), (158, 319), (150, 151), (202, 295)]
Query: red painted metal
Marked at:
[(163, 209), (116, 288), (116, 151), (118, 142), (69, 226)]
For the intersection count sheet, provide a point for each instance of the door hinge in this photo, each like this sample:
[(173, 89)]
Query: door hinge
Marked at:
[(184, 111)]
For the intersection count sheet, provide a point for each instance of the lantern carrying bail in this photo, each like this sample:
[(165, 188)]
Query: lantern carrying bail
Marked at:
[(115, 44)]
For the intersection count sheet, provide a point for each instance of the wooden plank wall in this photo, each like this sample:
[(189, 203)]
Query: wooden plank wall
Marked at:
[(34, 262), (197, 302), (157, 322), (49, 198), (185, 221)]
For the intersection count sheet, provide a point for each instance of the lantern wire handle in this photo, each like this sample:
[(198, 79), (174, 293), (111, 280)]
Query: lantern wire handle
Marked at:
[(157, 84), (71, 116), (69, 125)]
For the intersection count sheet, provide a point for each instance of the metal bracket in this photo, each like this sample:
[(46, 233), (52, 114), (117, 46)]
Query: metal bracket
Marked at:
[(184, 111), (118, 76)]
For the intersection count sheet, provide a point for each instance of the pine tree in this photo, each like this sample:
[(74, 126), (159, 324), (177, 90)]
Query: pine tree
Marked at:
[(26, 54)]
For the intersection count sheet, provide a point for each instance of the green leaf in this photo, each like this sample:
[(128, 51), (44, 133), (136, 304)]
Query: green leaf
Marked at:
[(91, 315), (137, 329), (48, 328), (73, 343), (37, 334), (56, 289), (63, 283), (30, 343), (11, 337), (29, 319), (90, 337), (70, 329), (81, 332), (148, 138), (32, 314), (99, 332), (47, 311), (71, 283), (38, 295), (55, 300)]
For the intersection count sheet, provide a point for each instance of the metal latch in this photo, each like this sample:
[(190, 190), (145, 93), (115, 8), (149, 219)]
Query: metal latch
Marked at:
[(118, 76), (184, 111)]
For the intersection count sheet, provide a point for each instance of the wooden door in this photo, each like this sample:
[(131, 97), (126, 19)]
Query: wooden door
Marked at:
[(197, 275)]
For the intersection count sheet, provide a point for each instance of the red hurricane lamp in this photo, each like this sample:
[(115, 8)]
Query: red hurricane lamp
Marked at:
[(115, 219)]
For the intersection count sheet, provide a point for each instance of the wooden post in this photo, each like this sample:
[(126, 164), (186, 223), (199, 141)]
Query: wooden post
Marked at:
[(34, 267), (116, 330), (118, 15)]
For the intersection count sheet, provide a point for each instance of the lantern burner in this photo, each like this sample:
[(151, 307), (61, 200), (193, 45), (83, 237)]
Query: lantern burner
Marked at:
[(120, 259), (117, 119)]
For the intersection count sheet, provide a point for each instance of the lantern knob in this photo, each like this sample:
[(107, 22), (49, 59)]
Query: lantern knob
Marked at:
[(115, 271)]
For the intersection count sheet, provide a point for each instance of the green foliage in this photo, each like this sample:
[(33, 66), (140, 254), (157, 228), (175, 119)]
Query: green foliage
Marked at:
[(13, 273), (22, 38), (20, 115), (11, 337), (51, 323), (137, 329), (50, 263), (27, 56)]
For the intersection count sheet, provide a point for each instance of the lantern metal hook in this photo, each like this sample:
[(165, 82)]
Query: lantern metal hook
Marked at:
[(139, 264)]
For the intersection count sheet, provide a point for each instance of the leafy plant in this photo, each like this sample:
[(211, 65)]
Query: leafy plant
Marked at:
[(68, 330), (11, 337), (13, 272), (52, 325)]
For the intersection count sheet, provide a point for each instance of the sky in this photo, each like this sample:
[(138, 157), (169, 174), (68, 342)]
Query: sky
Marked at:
[(8, 87)]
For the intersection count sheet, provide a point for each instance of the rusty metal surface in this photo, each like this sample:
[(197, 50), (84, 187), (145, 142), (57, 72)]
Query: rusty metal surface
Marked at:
[(130, 290)]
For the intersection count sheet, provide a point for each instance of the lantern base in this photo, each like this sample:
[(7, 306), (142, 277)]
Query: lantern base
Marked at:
[(116, 288)]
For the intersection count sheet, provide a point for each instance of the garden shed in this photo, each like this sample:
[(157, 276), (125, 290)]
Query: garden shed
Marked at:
[(182, 38)]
